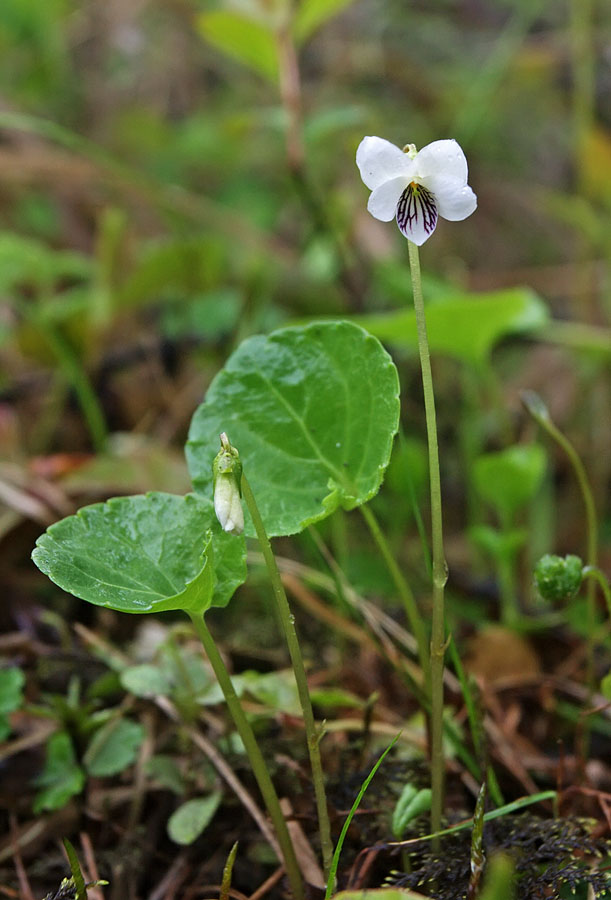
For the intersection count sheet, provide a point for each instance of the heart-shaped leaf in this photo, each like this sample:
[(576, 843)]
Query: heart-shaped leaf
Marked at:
[(312, 411), (466, 326), (147, 553)]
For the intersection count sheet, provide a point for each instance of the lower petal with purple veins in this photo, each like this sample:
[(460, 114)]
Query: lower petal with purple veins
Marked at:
[(416, 213)]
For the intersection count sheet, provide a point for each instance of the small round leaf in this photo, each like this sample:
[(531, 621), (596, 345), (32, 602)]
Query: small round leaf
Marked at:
[(312, 410), (147, 553)]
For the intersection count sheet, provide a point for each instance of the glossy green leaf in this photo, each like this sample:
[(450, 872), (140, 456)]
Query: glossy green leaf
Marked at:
[(465, 326), (61, 777), (510, 478), (311, 14), (243, 39), (113, 747), (147, 553), (189, 820), (312, 410)]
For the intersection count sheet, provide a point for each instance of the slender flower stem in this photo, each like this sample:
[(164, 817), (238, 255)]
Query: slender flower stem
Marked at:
[(412, 612), (596, 573), (288, 624), (440, 569), (255, 756), (541, 415)]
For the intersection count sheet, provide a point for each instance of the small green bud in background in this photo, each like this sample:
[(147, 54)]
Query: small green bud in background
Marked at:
[(227, 473), (558, 578), (410, 805)]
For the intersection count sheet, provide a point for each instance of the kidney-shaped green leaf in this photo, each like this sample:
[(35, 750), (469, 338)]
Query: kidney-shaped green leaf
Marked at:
[(466, 326), (312, 411), (147, 553)]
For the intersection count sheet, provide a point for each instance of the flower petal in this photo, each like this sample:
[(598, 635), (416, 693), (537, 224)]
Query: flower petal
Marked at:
[(444, 158), (416, 213), (383, 200), (379, 161), (454, 201)]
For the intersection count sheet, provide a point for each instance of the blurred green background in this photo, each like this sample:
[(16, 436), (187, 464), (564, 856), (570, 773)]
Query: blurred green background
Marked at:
[(176, 175)]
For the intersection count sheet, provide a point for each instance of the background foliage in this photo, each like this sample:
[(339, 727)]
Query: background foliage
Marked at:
[(178, 176)]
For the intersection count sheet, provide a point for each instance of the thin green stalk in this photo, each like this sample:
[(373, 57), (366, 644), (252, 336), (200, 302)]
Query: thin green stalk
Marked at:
[(255, 756), (510, 612), (440, 569), (595, 573), (288, 624), (592, 539), (505, 568), (540, 413), (416, 622)]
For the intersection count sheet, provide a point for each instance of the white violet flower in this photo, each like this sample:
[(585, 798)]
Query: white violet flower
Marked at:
[(415, 187)]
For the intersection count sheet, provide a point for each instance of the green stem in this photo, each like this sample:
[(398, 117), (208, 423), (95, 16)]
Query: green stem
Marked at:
[(505, 567), (255, 756), (591, 528), (509, 608), (593, 572), (288, 624), (440, 569), (416, 622)]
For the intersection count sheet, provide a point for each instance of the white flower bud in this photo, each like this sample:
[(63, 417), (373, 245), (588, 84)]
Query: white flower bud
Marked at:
[(227, 470), (227, 504)]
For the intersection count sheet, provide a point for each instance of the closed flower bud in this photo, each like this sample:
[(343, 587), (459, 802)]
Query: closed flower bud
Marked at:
[(227, 471), (558, 578)]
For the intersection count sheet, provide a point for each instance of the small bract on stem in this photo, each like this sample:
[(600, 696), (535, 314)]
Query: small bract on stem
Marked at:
[(416, 188)]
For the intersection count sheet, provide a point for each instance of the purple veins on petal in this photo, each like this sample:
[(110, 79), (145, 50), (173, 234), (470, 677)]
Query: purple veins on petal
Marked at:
[(416, 213)]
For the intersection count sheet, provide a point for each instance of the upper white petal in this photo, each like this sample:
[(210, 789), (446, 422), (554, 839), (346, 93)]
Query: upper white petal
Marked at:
[(383, 200), (379, 161), (454, 201), (442, 158)]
